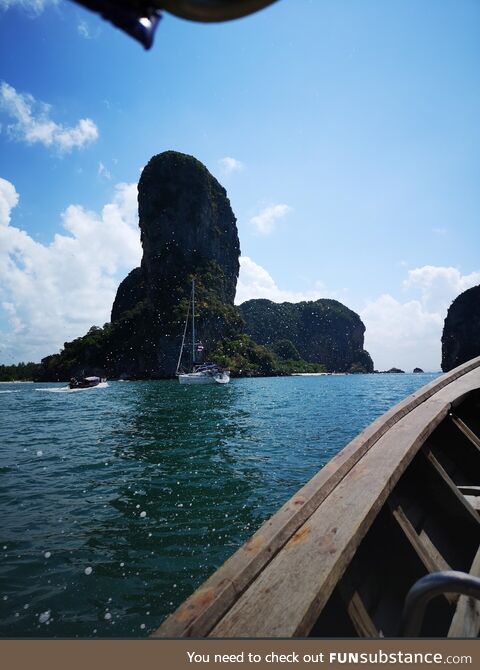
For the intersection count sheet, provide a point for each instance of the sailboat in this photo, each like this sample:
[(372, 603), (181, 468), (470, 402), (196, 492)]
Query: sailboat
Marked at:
[(205, 373)]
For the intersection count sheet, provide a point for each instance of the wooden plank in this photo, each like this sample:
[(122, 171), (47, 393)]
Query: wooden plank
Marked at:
[(199, 613), (360, 617), (356, 610), (452, 488), (469, 434), (423, 546), (466, 620), (474, 501), (433, 551), (427, 552), (468, 490)]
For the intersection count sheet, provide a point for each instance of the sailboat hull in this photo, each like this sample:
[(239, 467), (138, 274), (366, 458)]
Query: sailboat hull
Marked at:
[(205, 373), (202, 378)]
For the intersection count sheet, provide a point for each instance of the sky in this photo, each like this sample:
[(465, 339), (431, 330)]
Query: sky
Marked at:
[(345, 132)]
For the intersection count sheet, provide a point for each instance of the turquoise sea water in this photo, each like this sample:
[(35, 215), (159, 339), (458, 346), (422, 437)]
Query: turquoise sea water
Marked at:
[(117, 502)]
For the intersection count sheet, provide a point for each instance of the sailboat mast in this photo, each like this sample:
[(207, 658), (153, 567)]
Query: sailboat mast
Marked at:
[(193, 321), (179, 362)]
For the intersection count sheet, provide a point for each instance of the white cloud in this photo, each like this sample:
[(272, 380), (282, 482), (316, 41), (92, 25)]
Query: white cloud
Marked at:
[(8, 200), (103, 171), (408, 334), (438, 285), (404, 335), (86, 31), (266, 220), (33, 7), (230, 165), (255, 282), (55, 292), (32, 123)]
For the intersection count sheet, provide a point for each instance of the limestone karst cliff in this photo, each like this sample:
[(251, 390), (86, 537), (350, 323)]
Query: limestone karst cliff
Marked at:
[(322, 331), (461, 331), (187, 227), (188, 230)]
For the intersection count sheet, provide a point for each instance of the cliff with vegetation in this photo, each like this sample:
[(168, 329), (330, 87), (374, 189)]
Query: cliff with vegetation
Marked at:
[(461, 331), (323, 332), (188, 230)]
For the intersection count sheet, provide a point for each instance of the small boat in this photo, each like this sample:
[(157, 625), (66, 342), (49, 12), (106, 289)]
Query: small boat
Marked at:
[(85, 382), (205, 373), (384, 541)]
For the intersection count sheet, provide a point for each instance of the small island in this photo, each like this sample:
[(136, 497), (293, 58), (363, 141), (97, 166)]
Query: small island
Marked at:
[(188, 230)]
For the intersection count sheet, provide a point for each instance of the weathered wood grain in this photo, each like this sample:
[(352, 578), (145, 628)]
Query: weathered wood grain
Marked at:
[(360, 617), (466, 620), (425, 550), (468, 432)]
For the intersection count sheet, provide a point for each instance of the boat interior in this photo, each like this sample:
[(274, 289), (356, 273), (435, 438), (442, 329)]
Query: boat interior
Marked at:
[(430, 522)]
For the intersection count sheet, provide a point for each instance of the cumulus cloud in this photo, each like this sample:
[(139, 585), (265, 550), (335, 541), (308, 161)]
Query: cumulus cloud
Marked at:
[(256, 282), (32, 123), (404, 335), (265, 221), (438, 285), (52, 293), (32, 7), (408, 333), (8, 200), (229, 165)]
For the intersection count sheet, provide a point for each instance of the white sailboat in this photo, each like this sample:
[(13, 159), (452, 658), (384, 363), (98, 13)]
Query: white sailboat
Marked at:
[(205, 373)]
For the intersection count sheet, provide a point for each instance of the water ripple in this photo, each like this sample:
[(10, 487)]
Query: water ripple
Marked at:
[(117, 502)]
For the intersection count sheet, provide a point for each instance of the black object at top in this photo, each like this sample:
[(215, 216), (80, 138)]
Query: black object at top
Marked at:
[(139, 18)]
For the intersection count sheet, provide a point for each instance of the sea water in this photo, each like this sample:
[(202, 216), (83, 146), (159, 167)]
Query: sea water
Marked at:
[(117, 502)]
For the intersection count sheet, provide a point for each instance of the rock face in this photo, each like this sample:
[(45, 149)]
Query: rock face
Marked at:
[(324, 331), (187, 227), (188, 230), (461, 331)]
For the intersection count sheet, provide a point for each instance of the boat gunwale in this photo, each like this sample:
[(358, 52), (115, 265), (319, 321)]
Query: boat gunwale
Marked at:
[(201, 612)]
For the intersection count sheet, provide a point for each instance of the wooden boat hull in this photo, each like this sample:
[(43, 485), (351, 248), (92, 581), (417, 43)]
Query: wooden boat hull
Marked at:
[(338, 559)]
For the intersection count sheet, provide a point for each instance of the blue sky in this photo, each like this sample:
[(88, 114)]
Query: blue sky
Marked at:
[(345, 132)]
